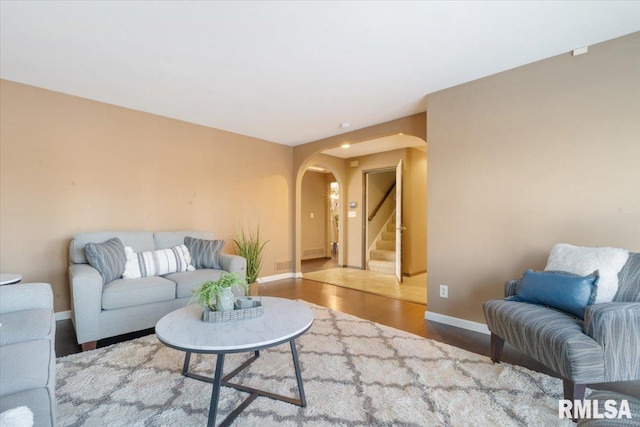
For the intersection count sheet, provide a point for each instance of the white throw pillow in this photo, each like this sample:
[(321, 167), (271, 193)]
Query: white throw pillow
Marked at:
[(17, 417), (584, 261), (156, 263)]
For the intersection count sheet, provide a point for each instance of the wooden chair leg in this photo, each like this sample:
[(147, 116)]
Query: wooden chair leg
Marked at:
[(573, 391), (91, 345), (497, 345)]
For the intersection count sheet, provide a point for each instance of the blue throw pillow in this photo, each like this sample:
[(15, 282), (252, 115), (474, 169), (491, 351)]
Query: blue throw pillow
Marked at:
[(563, 291)]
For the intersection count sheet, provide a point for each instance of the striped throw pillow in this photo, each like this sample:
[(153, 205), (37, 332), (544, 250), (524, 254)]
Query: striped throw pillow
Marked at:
[(157, 263), (204, 253), (108, 258)]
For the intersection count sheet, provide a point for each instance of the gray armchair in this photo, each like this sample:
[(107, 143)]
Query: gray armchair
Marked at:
[(27, 350), (603, 348)]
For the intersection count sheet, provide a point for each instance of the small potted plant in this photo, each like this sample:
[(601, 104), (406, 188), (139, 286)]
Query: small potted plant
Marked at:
[(218, 295)]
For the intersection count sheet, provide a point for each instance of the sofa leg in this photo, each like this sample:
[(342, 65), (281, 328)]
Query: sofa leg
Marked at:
[(91, 345), (497, 345)]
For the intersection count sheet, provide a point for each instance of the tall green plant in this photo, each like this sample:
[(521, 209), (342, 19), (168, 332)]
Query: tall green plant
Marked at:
[(249, 244)]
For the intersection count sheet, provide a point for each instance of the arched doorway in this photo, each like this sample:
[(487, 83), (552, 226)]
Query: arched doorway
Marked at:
[(350, 169), (320, 218)]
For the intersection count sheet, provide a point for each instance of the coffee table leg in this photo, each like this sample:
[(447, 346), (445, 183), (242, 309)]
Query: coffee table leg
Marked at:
[(296, 364), (215, 392), (185, 367)]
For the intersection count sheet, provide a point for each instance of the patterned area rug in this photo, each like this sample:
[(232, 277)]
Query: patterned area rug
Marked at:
[(356, 373)]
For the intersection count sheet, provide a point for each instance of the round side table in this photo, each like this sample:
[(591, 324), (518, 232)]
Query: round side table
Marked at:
[(9, 278)]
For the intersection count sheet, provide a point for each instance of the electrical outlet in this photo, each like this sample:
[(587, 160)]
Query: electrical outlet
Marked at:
[(444, 291)]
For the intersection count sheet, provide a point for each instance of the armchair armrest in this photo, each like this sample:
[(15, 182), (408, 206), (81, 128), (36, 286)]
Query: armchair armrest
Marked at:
[(510, 287), (616, 327), (234, 264), (26, 296), (86, 301)]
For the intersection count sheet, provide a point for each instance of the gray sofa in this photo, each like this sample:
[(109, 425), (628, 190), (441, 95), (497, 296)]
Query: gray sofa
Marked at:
[(127, 305), (27, 350), (602, 348)]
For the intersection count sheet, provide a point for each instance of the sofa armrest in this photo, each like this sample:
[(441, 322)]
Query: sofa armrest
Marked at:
[(616, 327), (25, 296), (234, 264), (86, 301), (510, 287)]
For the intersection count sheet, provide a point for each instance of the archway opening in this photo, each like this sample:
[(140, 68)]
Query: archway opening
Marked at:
[(349, 167)]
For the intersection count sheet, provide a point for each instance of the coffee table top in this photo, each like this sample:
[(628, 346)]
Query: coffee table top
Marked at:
[(283, 319)]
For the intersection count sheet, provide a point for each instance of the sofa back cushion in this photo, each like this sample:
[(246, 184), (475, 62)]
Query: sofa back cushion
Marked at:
[(629, 280), (169, 239), (139, 240)]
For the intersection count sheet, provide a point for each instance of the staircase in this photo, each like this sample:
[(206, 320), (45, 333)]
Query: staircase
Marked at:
[(382, 259)]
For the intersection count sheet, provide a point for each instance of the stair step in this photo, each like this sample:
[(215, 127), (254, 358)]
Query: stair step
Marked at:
[(387, 245), (385, 267), (388, 235), (391, 227), (382, 255)]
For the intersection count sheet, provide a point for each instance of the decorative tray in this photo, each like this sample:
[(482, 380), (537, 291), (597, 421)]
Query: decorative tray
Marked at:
[(236, 314)]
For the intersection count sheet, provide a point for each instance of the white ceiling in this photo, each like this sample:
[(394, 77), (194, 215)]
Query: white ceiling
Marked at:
[(287, 72)]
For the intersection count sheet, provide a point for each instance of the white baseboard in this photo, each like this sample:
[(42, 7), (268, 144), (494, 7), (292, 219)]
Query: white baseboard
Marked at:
[(457, 322), (63, 315), (277, 277)]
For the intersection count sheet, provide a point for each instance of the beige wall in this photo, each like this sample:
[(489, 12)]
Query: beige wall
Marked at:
[(314, 214), (545, 153), (70, 165)]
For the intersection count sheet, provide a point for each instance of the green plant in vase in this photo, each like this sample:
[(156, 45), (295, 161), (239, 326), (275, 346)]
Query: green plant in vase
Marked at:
[(209, 293), (249, 245)]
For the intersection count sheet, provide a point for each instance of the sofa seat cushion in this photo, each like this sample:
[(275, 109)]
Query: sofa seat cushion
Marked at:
[(188, 280), (132, 292), (25, 325), (25, 366), (37, 400), (550, 336)]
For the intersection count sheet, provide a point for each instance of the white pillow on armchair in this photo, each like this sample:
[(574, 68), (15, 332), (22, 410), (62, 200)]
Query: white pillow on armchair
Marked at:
[(17, 417), (583, 261)]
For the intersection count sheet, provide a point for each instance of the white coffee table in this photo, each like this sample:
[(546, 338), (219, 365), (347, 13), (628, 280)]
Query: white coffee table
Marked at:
[(283, 321)]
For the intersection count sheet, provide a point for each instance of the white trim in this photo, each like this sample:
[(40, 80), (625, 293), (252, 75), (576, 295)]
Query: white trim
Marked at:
[(277, 277), (63, 315), (457, 322)]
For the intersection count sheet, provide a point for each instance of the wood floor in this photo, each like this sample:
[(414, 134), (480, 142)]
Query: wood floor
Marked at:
[(403, 315)]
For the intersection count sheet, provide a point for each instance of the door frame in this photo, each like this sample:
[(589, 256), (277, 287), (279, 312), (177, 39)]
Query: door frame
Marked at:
[(365, 221)]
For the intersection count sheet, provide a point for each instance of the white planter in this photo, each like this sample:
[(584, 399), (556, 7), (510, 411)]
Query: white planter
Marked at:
[(225, 300)]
